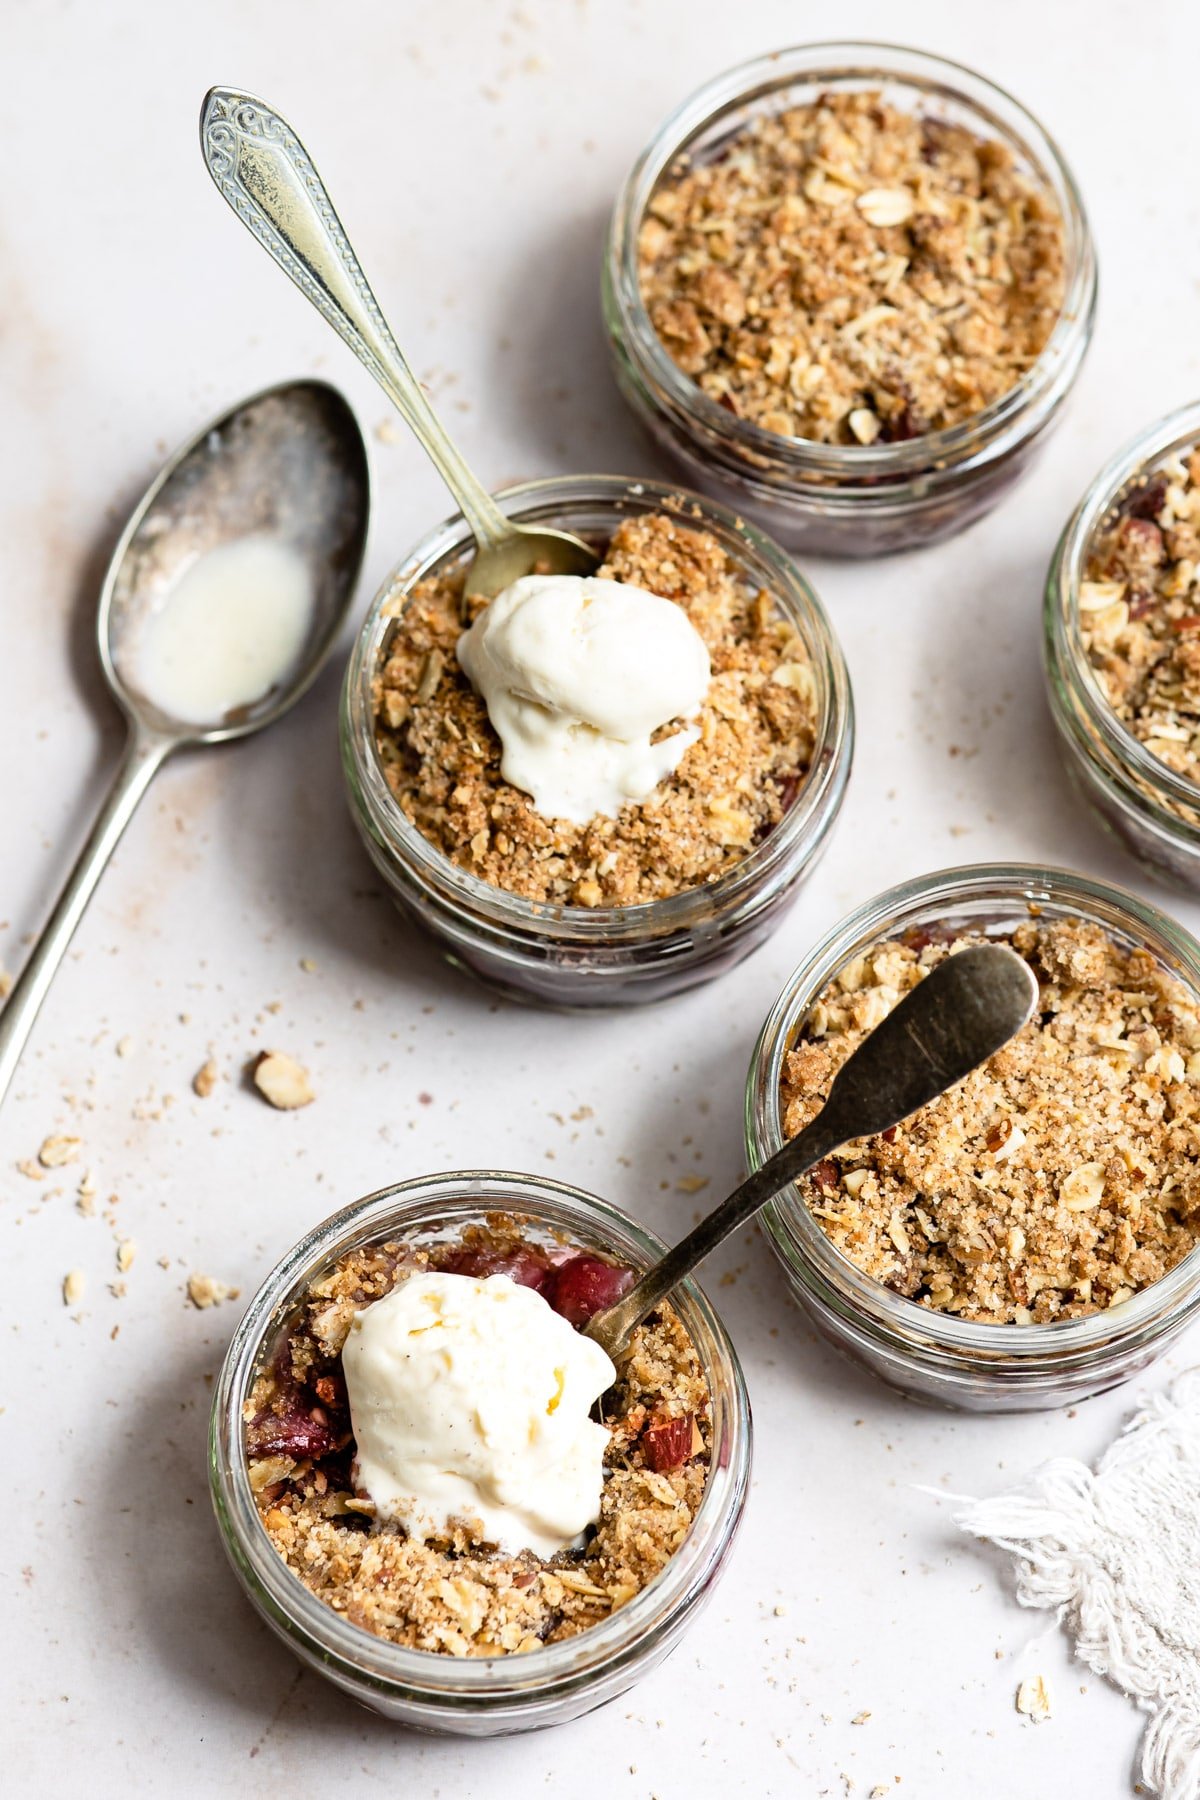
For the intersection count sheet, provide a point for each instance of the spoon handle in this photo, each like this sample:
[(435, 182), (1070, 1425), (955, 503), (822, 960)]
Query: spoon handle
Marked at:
[(143, 756), (964, 1010), (268, 178)]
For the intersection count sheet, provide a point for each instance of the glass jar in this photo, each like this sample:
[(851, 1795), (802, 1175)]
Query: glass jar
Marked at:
[(1152, 810), (931, 1355), (578, 956), (844, 499), (493, 1695)]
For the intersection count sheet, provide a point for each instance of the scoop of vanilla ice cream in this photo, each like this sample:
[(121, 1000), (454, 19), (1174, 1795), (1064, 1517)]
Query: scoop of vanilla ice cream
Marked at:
[(577, 673), (469, 1400)]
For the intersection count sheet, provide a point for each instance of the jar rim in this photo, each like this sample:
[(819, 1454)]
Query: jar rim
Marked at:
[(1063, 629), (808, 815), (986, 433), (795, 1236), (590, 1655)]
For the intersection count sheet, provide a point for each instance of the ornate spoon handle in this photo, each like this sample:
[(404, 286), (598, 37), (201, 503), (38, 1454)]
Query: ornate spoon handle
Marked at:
[(264, 172)]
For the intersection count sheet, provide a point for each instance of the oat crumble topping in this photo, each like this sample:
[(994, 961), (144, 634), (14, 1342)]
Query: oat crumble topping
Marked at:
[(1139, 612), (441, 757), (458, 1596), (846, 271), (1057, 1180)]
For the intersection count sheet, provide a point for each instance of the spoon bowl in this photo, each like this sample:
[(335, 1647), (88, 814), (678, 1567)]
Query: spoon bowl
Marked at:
[(288, 467), (289, 464)]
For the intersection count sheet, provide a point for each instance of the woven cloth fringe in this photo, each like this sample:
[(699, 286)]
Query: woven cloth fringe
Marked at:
[(1117, 1551)]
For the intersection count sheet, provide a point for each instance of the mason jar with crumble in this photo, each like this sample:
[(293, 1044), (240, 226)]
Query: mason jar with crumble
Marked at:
[(439, 1629), (848, 288), (636, 900), (1121, 646), (1030, 1238)]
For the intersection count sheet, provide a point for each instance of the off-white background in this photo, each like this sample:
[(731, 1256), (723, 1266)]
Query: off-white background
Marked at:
[(473, 150)]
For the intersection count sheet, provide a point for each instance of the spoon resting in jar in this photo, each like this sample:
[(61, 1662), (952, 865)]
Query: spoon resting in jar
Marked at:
[(267, 176), (963, 1012)]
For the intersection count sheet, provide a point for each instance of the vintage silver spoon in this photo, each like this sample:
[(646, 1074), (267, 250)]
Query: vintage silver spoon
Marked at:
[(961, 1014), (268, 178), (289, 464)]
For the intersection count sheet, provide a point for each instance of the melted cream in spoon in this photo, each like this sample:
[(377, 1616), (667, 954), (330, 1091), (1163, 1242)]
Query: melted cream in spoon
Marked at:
[(230, 628)]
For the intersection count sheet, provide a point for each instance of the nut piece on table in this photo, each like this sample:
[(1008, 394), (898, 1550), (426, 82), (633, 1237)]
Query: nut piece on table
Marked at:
[(205, 1291), (1033, 1698), (282, 1081), (72, 1287), (56, 1151), (205, 1079)]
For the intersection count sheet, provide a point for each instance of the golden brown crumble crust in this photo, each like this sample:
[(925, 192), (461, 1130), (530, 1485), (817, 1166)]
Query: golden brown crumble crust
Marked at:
[(441, 757), (1058, 1179), (1139, 612), (457, 1596), (845, 271)]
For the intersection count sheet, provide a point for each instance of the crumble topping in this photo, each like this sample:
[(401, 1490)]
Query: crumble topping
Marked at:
[(441, 757), (846, 271), (459, 1596), (1139, 612), (1055, 1181)]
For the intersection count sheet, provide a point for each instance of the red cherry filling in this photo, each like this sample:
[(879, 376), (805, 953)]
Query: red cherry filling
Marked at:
[(584, 1285), (293, 1432)]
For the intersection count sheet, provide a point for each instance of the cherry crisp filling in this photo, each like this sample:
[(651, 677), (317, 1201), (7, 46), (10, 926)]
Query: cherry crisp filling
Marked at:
[(457, 1595)]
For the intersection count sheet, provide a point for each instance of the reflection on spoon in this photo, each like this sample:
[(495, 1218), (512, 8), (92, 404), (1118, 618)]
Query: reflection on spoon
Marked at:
[(228, 631)]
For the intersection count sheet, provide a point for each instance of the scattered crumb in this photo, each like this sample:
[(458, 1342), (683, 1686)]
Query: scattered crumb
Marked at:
[(205, 1291), (691, 1184), (124, 1046), (282, 1081), (860, 1718), (85, 1205), (781, 1612), (74, 1282), (386, 432), (30, 1170), (1033, 1699), (308, 964), (205, 1079), (59, 1150), (5, 983), (117, 1289), (126, 1251)]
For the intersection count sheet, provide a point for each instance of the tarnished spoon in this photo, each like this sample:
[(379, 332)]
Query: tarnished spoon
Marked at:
[(962, 1013), (268, 178), (289, 464)]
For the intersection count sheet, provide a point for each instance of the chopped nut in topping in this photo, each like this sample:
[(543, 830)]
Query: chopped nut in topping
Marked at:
[(1139, 612), (56, 1151), (459, 1596), (205, 1079), (846, 260), (441, 757), (283, 1081), (1060, 1178), (204, 1291)]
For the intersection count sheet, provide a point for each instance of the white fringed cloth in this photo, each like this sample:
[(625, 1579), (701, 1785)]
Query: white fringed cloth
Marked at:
[(1117, 1552)]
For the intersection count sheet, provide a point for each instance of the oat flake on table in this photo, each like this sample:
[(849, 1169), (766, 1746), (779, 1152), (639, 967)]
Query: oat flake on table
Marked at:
[(1114, 1550)]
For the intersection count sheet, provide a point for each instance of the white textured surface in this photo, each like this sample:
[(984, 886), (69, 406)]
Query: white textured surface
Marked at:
[(474, 150)]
